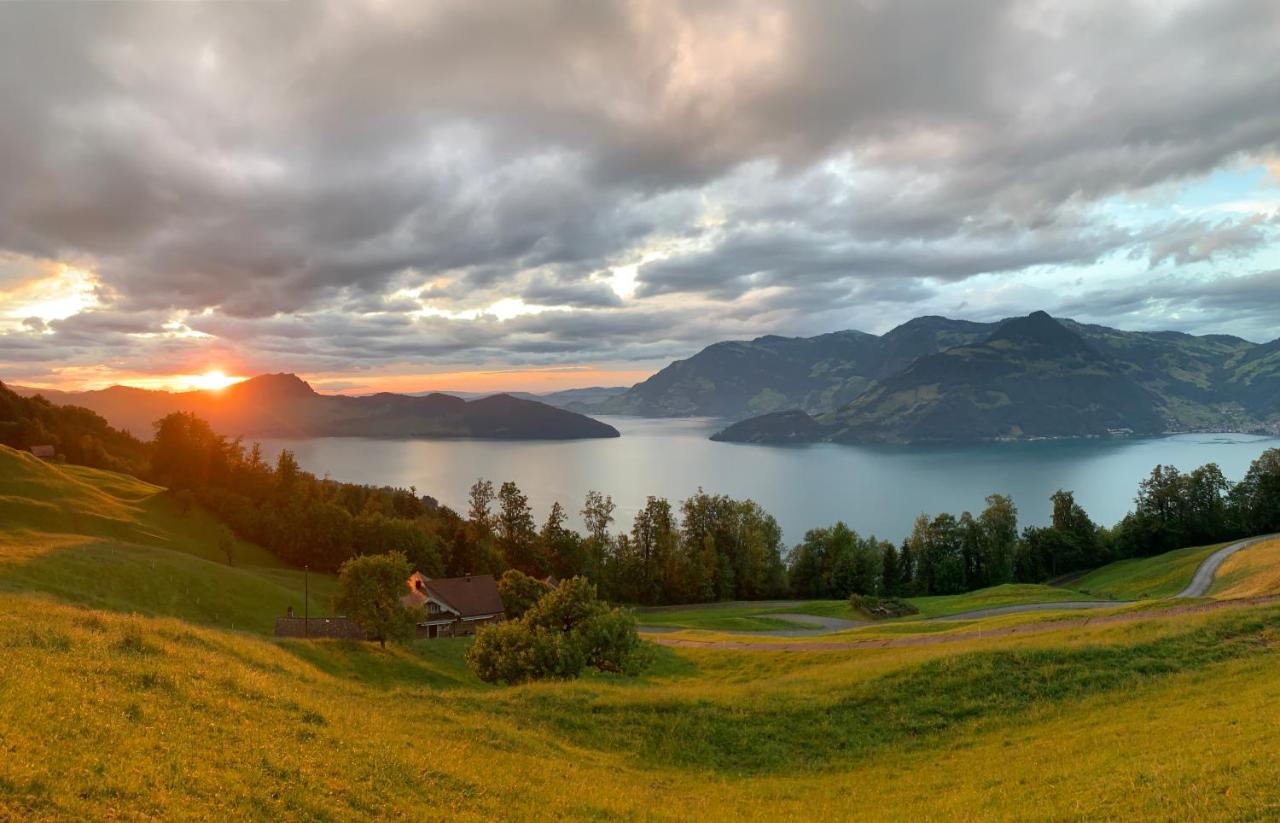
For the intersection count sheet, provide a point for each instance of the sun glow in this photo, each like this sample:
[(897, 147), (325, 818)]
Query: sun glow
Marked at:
[(209, 381)]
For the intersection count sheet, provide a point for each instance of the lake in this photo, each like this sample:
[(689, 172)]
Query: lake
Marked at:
[(875, 489)]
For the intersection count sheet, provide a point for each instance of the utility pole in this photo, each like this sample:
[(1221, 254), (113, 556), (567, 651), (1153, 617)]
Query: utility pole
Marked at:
[(306, 601)]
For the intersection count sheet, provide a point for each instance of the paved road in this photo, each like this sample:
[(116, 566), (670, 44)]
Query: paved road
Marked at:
[(1198, 587), (1208, 569)]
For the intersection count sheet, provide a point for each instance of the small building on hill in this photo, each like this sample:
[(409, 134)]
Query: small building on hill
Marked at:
[(454, 606), (44, 452)]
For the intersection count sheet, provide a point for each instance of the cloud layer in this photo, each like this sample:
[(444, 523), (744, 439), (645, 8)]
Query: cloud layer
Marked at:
[(396, 187)]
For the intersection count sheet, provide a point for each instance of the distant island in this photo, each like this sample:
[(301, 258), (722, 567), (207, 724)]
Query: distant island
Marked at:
[(284, 405), (935, 379)]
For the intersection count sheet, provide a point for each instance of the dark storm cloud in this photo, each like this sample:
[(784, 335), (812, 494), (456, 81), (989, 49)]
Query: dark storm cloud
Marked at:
[(775, 160)]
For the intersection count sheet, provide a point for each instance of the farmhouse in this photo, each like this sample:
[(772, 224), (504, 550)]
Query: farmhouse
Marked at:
[(44, 452), (454, 606)]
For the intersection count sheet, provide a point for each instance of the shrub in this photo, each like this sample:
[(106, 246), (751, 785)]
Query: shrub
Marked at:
[(881, 608), (568, 629)]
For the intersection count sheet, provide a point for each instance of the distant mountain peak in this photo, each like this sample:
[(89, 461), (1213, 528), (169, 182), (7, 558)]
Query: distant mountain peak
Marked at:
[(1038, 329), (284, 384)]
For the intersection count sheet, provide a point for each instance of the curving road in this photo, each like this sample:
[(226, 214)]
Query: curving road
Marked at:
[(1208, 568), (1199, 586)]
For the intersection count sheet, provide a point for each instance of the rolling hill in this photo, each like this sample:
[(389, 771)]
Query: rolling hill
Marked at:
[(109, 541), (283, 405)]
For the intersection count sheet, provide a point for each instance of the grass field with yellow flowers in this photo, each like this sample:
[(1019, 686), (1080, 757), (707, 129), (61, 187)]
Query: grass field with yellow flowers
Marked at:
[(139, 681)]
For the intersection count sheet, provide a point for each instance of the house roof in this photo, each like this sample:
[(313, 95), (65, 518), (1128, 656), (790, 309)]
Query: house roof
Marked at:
[(469, 596)]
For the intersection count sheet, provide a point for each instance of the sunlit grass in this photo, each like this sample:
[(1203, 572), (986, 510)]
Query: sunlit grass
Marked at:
[(1250, 572), (114, 542)]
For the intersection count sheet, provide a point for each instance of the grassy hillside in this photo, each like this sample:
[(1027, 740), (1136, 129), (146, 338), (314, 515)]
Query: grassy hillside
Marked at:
[(111, 541), (1009, 594), (111, 715), (1146, 577)]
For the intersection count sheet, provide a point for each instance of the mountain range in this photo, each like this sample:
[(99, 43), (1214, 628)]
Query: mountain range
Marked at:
[(934, 379), (284, 405)]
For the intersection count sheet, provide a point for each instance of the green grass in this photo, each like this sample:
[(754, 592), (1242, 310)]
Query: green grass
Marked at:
[(110, 541), (733, 616), (758, 617), (1148, 577), (1009, 594)]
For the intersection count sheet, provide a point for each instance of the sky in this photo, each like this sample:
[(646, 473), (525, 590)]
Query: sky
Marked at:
[(416, 195)]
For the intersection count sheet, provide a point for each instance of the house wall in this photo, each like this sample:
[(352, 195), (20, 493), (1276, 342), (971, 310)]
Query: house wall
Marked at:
[(458, 628)]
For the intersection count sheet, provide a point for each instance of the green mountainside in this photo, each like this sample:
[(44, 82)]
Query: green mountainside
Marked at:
[(1031, 377), (738, 379), (1038, 377)]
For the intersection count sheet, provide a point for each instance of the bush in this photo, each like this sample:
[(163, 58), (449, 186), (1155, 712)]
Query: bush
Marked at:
[(881, 608), (568, 629), (610, 643)]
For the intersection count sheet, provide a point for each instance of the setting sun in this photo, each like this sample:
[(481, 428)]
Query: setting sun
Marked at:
[(210, 380)]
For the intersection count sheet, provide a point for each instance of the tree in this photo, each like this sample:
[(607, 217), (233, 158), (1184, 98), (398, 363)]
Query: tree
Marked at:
[(563, 547), (891, 578), (369, 591), (653, 562), (520, 592), (1255, 500), (1082, 543), (479, 501), (597, 514), (227, 544), (999, 525), (515, 530)]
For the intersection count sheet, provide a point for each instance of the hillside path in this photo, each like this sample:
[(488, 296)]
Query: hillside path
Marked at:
[(1208, 568)]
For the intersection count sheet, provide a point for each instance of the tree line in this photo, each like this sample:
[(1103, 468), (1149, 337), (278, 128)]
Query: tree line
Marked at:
[(946, 554)]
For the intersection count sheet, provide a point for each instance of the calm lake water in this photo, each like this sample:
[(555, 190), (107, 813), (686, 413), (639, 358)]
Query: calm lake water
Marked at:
[(875, 489)]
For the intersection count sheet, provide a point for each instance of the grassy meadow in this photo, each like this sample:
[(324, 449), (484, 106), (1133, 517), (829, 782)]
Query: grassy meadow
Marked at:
[(139, 682), (113, 542)]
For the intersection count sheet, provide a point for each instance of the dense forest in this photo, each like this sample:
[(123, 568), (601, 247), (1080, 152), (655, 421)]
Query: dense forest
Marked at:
[(706, 548)]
